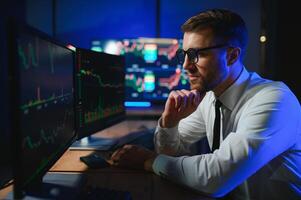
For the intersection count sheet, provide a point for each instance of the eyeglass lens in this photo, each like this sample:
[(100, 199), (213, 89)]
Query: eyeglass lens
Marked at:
[(191, 53)]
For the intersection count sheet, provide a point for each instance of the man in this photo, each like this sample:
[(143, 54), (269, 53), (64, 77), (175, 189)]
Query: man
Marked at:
[(253, 125)]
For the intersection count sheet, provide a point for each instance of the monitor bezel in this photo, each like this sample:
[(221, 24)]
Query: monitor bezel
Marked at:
[(16, 28)]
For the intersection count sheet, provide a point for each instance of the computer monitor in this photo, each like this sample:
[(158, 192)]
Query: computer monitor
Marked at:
[(152, 69), (42, 105), (100, 92)]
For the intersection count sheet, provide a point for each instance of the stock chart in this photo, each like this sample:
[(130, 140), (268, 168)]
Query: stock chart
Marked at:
[(100, 89), (152, 69), (46, 105)]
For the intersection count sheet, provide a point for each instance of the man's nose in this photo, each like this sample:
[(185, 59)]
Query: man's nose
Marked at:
[(187, 64)]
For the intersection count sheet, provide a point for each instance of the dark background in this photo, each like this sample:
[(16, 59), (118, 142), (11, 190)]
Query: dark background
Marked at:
[(79, 22)]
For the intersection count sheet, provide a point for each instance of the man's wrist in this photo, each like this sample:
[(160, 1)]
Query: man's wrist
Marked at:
[(148, 164), (165, 124)]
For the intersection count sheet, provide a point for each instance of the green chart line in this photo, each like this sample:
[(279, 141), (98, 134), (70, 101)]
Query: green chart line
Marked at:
[(101, 84), (39, 101), (29, 55), (100, 112), (29, 58), (136, 83)]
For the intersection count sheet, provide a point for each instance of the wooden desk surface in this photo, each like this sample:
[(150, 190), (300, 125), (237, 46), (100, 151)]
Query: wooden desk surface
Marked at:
[(70, 161), (142, 185), (126, 127)]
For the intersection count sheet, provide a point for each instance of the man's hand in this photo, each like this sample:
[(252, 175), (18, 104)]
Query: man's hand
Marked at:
[(134, 157), (180, 104)]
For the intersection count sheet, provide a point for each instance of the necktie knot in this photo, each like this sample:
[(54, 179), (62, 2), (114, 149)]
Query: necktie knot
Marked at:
[(218, 104)]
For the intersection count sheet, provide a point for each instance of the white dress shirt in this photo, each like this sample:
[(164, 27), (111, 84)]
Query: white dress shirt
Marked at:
[(260, 146)]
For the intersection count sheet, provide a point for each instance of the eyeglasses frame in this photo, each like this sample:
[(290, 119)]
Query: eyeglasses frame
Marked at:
[(197, 51)]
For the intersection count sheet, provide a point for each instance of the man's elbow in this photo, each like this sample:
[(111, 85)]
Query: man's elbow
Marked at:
[(214, 189)]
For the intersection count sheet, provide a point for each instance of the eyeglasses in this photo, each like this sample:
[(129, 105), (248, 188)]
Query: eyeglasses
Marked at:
[(193, 54)]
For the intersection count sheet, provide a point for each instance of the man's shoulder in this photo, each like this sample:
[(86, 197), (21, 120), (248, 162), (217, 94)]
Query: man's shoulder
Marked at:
[(259, 84), (258, 89)]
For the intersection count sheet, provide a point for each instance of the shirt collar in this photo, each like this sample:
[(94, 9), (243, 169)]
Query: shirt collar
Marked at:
[(231, 95)]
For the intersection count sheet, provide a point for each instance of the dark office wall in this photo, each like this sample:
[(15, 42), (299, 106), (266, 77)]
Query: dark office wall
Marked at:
[(39, 14), (83, 21), (8, 9), (282, 60), (79, 22)]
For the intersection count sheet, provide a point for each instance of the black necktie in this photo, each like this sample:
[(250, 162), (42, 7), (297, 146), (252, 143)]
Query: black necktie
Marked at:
[(217, 126)]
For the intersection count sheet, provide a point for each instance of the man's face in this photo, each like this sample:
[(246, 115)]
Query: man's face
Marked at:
[(211, 68)]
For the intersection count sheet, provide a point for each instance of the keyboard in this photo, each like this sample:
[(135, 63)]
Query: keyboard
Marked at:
[(97, 193)]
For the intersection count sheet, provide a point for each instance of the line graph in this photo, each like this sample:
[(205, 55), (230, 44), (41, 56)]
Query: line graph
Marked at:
[(100, 112), (173, 81), (93, 84), (135, 82), (43, 71), (38, 101), (99, 79), (31, 56), (98, 94), (28, 53), (46, 136)]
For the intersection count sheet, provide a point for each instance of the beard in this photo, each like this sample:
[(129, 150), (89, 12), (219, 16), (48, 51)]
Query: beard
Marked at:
[(203, 84), (199, 85), (207, 79)]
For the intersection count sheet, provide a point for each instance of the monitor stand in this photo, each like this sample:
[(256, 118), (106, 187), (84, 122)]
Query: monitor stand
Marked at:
[(143, 138), (56, 186), (6, 175), (94, 143)]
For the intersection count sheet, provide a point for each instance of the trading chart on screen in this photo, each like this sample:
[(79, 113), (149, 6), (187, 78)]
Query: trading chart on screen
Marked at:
[(152, 69), (100, 89), (44, 95)]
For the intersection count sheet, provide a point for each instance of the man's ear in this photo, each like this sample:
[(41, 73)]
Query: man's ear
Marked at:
[(233, 54)]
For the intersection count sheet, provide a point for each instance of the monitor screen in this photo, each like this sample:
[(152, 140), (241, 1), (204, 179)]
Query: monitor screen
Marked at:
[(42, 104), (99, 91), (152, 69)]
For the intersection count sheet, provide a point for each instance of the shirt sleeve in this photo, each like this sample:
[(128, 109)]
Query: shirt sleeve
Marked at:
[(267, 126), (179, 139)]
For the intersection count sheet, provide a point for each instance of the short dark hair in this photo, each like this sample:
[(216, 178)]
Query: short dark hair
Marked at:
[(225, 24)]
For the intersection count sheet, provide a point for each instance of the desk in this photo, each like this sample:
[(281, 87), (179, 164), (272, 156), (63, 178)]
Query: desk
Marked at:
[(153, 112), (142, 185)]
